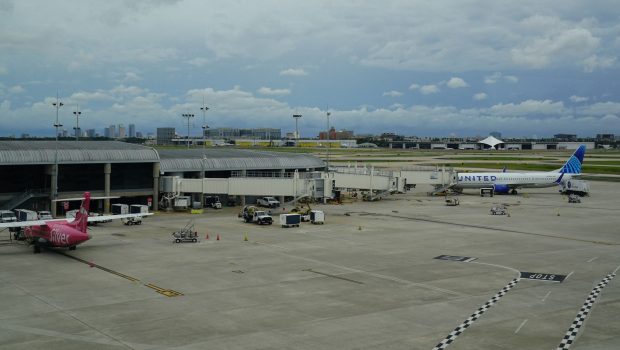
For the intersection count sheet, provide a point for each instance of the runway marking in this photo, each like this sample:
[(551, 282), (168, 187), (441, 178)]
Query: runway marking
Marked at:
[(571, 334), (591, 260), (488, 228), (481, 310), (167, 292), (333, 276), (520, 326), (567, 276), (81, 338), (373, 274), (545, 297)]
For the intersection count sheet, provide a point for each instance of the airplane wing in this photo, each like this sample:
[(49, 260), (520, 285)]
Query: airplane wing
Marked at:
[(113, 217), (22, 223), (90, 219), (31, 223)]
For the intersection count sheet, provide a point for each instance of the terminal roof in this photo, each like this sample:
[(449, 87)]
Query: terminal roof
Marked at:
[(72, 152), (234, 159)]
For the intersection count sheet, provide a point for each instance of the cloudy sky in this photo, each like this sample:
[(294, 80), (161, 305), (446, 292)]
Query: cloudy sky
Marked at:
[(425, 68)]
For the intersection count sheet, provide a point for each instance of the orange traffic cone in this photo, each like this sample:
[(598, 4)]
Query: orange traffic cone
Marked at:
[(90, 264), (218, 237), (207, 236)]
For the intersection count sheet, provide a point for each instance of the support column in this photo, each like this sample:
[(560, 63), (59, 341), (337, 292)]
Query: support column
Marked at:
[(156, 170), (282, 174), (244, 173), (49, 170), (107, 170)]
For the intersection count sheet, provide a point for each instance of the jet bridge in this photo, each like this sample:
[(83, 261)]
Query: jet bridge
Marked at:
[(314, 184)]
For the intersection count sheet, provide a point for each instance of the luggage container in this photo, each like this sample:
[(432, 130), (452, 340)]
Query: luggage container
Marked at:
[(119, 209), (317, 217), (26, 215), (138, 209), (290, 220)]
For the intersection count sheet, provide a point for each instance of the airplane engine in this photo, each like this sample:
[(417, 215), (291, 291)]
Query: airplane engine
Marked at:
[(501, 189)]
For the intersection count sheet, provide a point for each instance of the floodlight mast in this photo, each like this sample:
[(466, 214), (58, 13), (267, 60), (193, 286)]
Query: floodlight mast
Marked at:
[(77, 114), (57, 125), (188, 116), (204, 110), (329, 145), (296, 117)]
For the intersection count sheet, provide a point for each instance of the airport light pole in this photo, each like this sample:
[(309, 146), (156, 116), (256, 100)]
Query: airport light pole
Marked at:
[(57, 125), (188, 116), (77, 114), (329, 145), (296, 117), (204, 110)]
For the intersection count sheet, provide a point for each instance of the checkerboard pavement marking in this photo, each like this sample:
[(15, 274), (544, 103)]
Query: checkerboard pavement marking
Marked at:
[(571, 334), (481, 310)]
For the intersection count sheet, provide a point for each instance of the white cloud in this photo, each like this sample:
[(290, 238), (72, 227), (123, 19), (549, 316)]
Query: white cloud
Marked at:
[(17, 89), (87, 96), (577, 99), (294, 72), (414, 87), (511, 79), (595, 62), (127, 90), (480, 96), (429, 89), (601, 108), (393, 93), (455, 83), (555, 47), (273, 92), (497, 76), (131, 77), (528, 107), (198, 61)]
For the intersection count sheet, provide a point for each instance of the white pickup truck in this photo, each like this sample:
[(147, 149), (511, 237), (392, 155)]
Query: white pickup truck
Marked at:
[(269, 202)]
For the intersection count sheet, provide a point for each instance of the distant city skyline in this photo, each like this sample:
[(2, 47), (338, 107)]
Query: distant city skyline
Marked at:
[(426, 68)]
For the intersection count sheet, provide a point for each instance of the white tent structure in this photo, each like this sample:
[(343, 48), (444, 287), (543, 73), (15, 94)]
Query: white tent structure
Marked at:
[(491, 141)]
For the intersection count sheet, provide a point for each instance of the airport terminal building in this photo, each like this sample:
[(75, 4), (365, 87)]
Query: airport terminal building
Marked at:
[(131, 172)]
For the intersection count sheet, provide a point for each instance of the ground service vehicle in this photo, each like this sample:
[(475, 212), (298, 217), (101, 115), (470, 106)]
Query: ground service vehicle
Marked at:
[(290, 220), (498, 210), (44, 215), (251, 214), (186, 234), (269, 202), (213, 202), (573, 198), (453, 201), (317, 217), (304, 212), (578, 187), (26, 215)]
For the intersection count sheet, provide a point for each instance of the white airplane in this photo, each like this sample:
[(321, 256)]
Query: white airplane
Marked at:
[(509, 182)]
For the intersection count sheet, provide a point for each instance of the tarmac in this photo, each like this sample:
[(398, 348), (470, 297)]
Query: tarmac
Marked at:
[(406, 272)]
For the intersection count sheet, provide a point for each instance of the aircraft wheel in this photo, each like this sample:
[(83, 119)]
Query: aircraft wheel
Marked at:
[(36, 248), (72, 247), (177, 240), (194, 240)]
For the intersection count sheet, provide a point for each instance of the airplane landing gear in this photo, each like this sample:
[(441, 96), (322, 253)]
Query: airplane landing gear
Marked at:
[(72, 247), (36, 248), (514, 191)]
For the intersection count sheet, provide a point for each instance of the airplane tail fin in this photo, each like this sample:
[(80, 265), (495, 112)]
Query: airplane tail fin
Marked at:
[(81, 217), (573, 164)]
